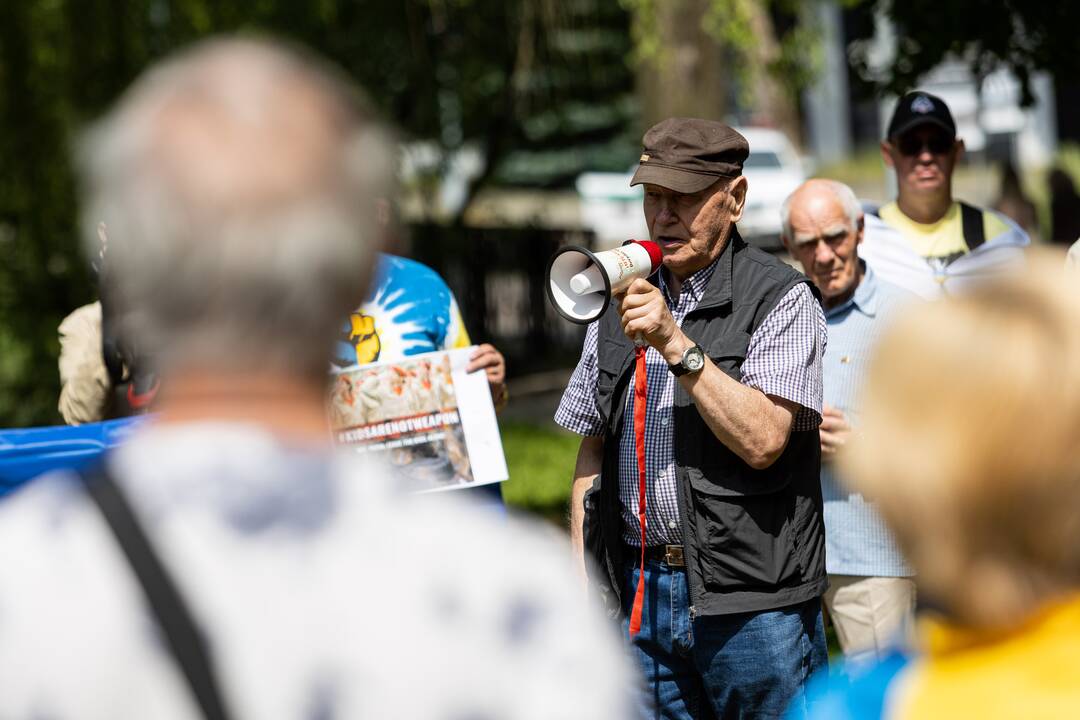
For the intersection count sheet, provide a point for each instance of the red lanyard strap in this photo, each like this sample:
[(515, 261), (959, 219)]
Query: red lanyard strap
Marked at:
[(640, 390)]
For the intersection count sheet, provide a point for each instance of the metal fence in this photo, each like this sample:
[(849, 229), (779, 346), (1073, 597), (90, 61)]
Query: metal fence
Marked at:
[(497, 276)]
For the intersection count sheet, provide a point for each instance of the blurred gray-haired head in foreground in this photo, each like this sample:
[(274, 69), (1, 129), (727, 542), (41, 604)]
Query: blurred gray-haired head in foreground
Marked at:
[(238, 181)]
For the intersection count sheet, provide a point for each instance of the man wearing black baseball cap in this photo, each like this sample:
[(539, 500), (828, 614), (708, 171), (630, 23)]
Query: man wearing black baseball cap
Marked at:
[(733, 536), (926, 241)]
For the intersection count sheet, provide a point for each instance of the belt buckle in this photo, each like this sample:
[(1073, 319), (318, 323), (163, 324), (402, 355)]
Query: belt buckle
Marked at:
[(673, 556)]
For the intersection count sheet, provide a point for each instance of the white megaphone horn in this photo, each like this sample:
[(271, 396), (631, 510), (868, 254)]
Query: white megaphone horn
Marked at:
[(581, 283)]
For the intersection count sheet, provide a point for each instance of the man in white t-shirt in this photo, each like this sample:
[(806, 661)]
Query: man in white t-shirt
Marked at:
[(238, 182)]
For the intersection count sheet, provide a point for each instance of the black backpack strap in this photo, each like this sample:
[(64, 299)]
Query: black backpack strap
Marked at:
[(181, 633), (971, 220)]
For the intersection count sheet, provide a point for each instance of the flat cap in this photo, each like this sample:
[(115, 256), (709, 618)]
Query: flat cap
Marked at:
[(688, 155)]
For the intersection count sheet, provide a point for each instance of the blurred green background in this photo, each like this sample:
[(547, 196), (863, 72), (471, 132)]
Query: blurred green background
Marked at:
[(529, 94)]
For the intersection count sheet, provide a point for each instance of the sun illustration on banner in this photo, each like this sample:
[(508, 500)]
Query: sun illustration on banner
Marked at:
[(398, 332)]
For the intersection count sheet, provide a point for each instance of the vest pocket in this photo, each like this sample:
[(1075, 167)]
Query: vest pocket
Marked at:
[(746, 542)]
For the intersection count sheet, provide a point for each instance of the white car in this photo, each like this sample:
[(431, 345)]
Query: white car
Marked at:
[(612, 209), (772, 171)]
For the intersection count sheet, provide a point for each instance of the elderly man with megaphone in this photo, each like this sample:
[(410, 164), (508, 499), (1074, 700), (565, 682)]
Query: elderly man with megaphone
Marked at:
[(696, 491)]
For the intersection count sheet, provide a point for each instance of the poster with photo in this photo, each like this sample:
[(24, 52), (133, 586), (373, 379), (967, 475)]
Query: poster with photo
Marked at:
[(432, 422)]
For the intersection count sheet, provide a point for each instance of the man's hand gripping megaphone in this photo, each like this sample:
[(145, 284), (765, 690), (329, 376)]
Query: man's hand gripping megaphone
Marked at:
[(647, 320)]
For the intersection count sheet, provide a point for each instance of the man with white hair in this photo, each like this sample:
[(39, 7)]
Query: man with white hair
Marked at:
[(225, 562), (871, 595)]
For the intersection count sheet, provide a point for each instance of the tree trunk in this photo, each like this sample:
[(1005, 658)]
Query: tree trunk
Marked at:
[(775, 106), (687, 77)]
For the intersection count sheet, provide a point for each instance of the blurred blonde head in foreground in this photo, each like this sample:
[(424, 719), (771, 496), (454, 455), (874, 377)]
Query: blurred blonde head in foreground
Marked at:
[(969, 444)]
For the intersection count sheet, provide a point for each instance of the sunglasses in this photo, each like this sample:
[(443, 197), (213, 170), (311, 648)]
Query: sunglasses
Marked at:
[(912, 145)]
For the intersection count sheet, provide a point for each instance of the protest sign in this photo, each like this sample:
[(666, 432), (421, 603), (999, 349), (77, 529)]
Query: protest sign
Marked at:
[(432, 422)]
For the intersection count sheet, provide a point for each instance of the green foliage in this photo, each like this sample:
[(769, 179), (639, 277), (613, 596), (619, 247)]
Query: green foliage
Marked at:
[(645, 30), (522, 80), (1023, 36), (732, 24), (40, 276), (541, 461)]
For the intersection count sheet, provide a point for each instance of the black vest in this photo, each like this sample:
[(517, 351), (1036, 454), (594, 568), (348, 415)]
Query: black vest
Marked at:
[(755, 539)]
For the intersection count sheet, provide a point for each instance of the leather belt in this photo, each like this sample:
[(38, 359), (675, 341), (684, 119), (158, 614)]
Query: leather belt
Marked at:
[(670, 555)]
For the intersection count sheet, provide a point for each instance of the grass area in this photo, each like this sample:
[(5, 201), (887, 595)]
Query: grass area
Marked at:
[(863, 171), (541, 460)]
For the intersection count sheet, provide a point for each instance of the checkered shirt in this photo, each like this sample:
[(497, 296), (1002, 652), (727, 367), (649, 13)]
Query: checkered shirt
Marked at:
[(784, 358)]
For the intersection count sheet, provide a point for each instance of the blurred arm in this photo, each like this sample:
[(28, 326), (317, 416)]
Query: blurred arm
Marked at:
[(84, 381), (781, 373), (589, 460)]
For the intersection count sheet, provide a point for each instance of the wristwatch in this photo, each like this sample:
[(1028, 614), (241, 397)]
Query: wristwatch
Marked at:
[(693, 359)]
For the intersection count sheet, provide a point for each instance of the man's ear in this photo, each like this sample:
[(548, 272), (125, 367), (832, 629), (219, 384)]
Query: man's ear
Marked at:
[(737, 190), (959, 150), (860, 229), (886, 153)]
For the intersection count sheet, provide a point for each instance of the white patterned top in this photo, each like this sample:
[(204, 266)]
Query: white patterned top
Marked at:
[(323, 594)]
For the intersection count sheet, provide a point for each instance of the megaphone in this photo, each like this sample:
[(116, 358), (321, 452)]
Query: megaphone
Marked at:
[(581, 282)]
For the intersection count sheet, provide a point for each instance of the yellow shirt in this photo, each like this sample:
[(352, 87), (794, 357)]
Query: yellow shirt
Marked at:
[(942, 240), (1031, 673)]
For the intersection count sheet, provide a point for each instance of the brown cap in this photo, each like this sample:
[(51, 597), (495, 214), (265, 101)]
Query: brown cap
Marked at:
[(688, 155)]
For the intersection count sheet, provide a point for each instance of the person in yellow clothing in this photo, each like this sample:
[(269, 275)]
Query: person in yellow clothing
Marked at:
[(968, 448), (926, 241)]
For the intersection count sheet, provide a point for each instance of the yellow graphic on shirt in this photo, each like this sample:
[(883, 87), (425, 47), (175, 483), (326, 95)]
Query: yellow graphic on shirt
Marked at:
[(365, 338), (943, 239)]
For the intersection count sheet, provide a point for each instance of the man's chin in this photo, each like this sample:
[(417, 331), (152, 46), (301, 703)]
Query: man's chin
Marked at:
[(928, 185), (672, 253), (675, 264)]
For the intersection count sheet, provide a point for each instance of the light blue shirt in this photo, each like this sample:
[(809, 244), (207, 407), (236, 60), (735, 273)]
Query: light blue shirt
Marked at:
[(857, 541)]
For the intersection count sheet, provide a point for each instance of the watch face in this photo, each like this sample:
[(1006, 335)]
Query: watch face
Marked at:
[(694, 359)]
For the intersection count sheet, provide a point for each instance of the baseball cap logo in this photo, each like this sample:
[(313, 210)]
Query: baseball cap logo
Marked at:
[(922, 105)]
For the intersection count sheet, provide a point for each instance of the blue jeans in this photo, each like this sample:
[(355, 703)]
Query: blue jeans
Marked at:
[(747, 665)]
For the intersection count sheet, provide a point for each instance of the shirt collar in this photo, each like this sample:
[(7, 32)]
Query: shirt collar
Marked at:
[(712, 285), (695, 284), (865, 298)]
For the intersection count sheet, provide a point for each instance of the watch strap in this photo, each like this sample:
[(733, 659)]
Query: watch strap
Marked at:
[(679, 369)]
